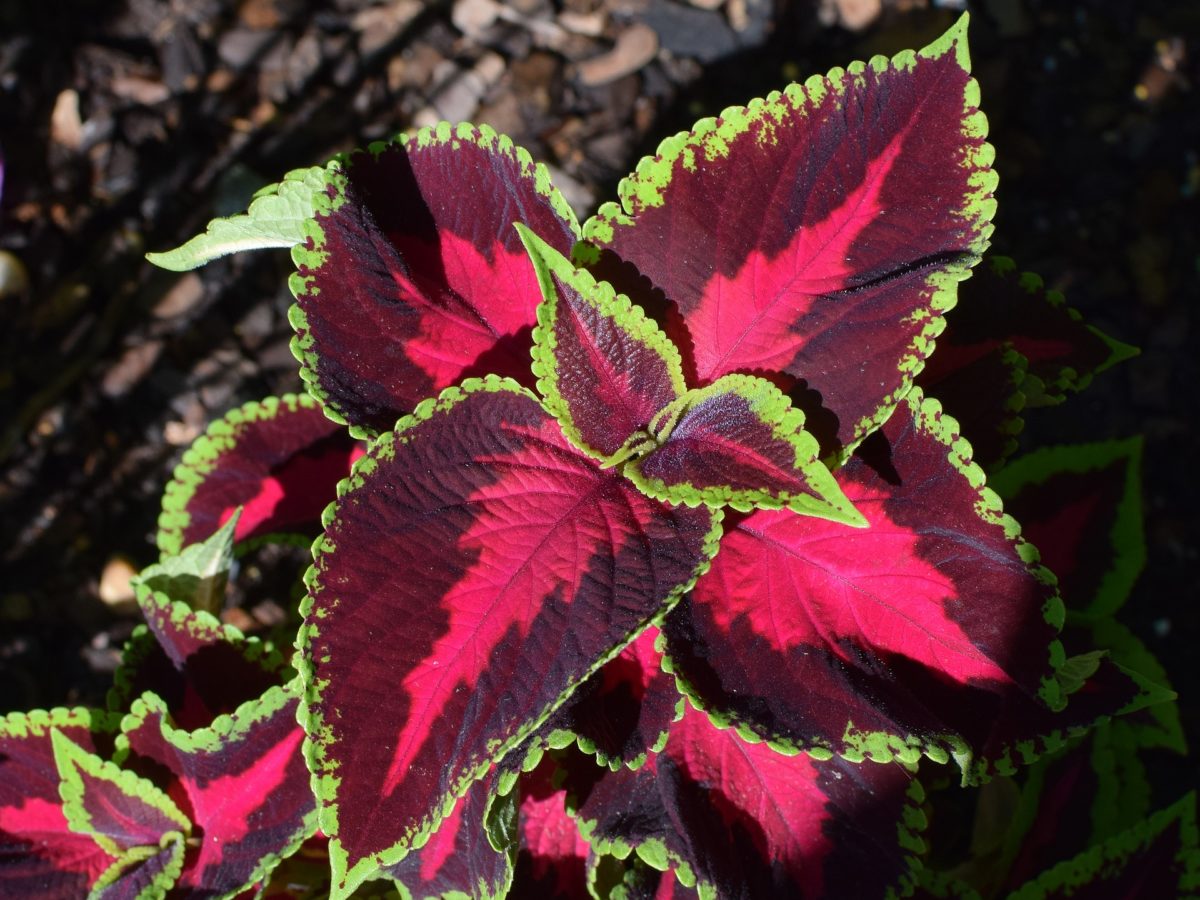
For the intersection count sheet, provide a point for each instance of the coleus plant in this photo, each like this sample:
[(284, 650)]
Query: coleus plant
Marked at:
[(680, 452)]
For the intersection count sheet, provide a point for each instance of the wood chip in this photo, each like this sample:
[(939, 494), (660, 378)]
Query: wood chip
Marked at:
[(66, 128), (116, 588), (635, 47)]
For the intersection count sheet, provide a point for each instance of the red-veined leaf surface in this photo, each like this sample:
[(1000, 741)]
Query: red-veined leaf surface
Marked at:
[(747, 821), (41, 858), (413, 275), (476, 569), (910, 635), (116, 807), (624, 710), (243, 783), (1001, 306), (603, 366), (1081, 506), (279, 459), (819, 232), (459, 859), (740, 442), (198, 666)]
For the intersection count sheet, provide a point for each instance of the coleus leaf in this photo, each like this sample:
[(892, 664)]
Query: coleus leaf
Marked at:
[(604, 368), (275, 219), (462, 858), (553, 856), (279, 459), (843, 250), (615, 384), (1081, 506), (200, 667), (119, 809), (626, 708), (1158, 857), (982, 391), (739, 442), (547, 567), (143, 873), (909, 636), (1001, 306), (243, 782), (742, 820), (412, 275), (41, 858)]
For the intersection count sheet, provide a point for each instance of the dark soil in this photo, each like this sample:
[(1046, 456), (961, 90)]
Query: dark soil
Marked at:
[(125, 126)]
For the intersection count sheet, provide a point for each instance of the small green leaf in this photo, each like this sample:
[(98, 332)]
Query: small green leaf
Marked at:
[(274, 219), (198, 575), (1074, 672)]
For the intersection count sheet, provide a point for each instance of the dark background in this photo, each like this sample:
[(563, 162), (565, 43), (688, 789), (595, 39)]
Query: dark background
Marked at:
[(125, 126)]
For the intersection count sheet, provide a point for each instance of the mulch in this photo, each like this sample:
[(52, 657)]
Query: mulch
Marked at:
[(127, 125)]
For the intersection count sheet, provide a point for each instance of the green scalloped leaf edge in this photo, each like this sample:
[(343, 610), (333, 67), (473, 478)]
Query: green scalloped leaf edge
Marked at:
[(70, 759), (142, 642), (310, 252), (884, 747), (500, 826), (201, 459), (224, 729), (345, 879), (548, 263), (1055, 391), (1127, 535), (655, 853), (273, 219), (161, 883), (1082, 869), (643, 188), (40, 722), (772, 407)]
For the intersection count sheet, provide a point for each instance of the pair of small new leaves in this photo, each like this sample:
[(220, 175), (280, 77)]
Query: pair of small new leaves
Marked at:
[(614, 381)]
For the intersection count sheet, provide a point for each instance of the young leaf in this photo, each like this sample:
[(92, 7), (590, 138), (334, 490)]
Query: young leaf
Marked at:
[(200, 667), (460, 859), (1001, 306), (197, 576), (740, 443), (279, 459), (909, 636), (413, 276), (117, 808), (1081, 506), (798, 234), (742, 820), (604, 368), (243, 780), (624, 710), (476, 569), (41, 858), (1158, 857), (275, 219)]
